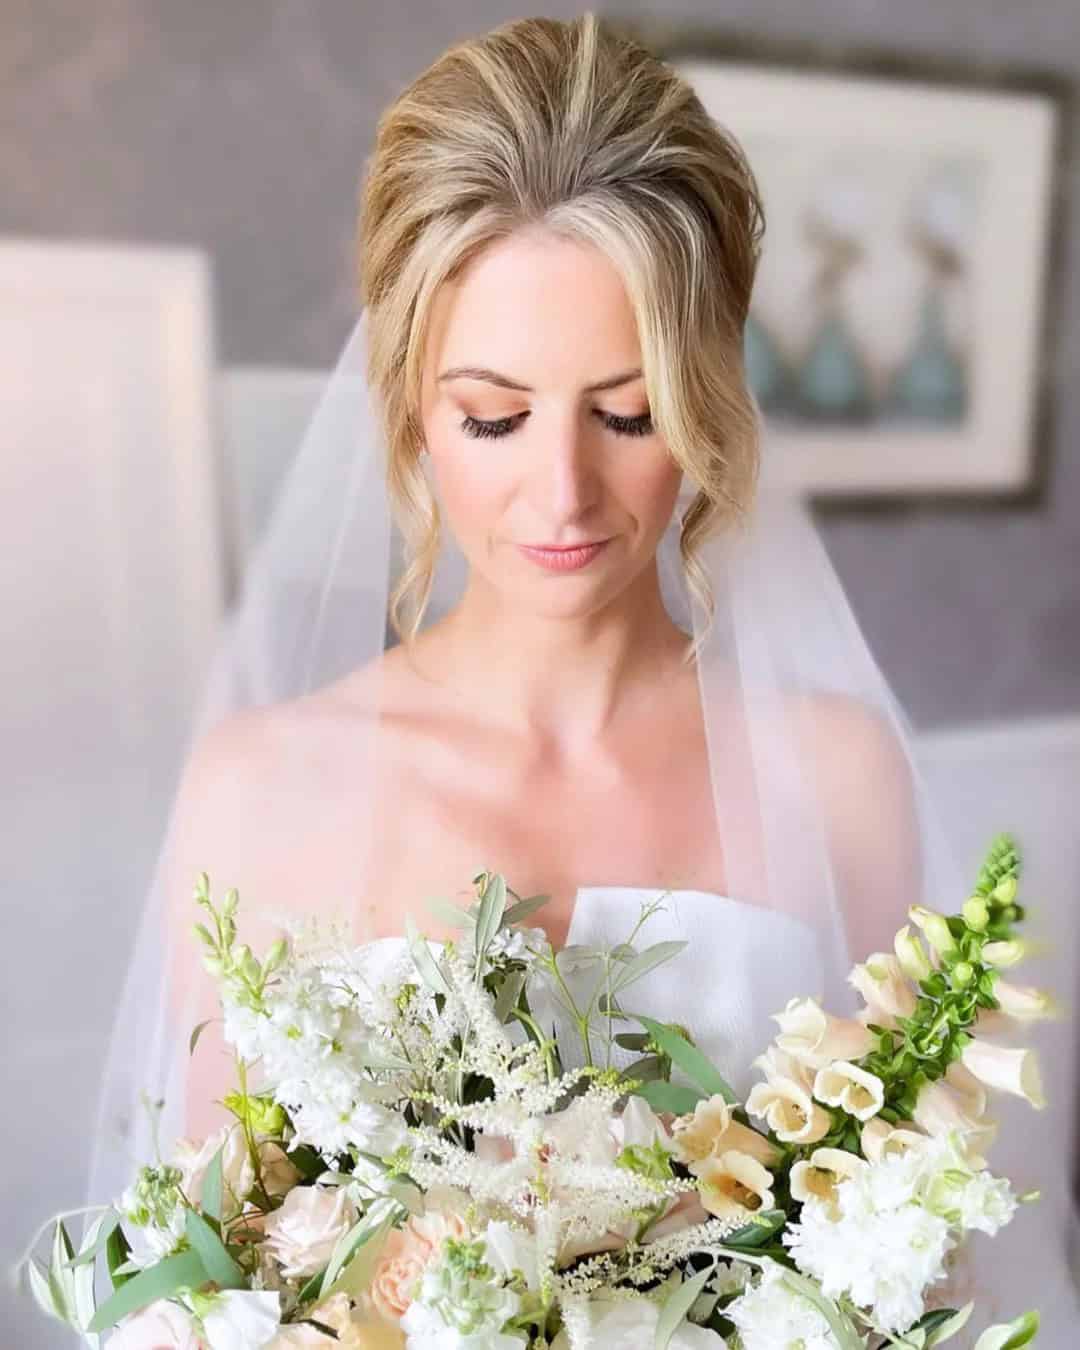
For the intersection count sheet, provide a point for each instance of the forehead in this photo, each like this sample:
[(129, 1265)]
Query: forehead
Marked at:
[(545, 309)]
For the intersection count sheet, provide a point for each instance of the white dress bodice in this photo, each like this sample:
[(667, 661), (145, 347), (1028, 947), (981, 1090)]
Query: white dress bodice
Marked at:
[(741, 964)]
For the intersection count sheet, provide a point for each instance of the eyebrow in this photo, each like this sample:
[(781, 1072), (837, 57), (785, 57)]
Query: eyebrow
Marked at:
[(505, 382)]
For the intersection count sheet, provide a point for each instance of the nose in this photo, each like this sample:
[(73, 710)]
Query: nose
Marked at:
[(567, 478)]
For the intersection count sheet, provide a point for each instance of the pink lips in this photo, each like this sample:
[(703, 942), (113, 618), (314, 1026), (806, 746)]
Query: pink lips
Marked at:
[(562, 559)]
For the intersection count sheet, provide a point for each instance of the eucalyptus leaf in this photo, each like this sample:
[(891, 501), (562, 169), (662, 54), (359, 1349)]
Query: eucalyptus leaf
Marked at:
[(194, 1040), (425, 963), (96, 1238), (60, 1275), (645, 961), (664, 1096), (509, 994), (847, 1338), (758, 1230), (451, 914), (117, 1250), (219, 1265), (943, 1323), (1012, 1335), (39, 1287), (211, 1188), (183, 1270), (677, 1306), (689, 1058), (490, 917), (521, 909), (382, 1215)]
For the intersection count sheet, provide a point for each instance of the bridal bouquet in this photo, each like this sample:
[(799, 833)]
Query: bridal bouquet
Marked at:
[(431, 1162)]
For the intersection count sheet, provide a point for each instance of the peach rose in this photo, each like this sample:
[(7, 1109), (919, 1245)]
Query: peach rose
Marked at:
[(159, 1326), (408, 1252)]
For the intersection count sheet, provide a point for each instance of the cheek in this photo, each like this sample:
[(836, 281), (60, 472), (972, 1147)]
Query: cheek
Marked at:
[(469, 484), (650, 490)]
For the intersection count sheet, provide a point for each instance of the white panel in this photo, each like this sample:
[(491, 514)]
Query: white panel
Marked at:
[(111, 591)]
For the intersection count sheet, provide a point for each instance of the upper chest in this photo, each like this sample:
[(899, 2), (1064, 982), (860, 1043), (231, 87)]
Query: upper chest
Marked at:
[(445, 801)]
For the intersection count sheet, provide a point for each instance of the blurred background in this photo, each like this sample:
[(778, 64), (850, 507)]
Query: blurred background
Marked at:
[(178, 189)]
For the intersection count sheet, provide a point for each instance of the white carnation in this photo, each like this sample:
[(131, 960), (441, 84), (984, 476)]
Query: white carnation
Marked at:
[(241, 1320), (771, 1315)]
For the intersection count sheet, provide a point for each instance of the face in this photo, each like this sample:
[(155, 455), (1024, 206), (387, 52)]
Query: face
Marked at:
[(538, 429)]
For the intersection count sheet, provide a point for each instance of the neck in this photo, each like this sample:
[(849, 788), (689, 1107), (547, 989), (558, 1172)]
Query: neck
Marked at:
[(564, 682)]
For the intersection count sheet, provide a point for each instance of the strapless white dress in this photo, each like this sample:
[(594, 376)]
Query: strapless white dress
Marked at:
[(741, 964)]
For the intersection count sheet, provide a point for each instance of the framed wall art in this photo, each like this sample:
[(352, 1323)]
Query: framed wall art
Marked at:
[(899, 339)]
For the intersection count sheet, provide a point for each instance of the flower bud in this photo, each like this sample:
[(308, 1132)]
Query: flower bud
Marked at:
[(1005, 890), (232, 900), (976, 913), (962, 974), (909, 952), (276, 954), (935, 928)]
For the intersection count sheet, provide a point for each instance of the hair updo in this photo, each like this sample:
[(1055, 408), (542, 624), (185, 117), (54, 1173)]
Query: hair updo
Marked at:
[(578, 128)]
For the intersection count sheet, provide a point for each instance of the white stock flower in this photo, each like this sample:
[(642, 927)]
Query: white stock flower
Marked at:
[(860, 1093), (771, 1315), (1015, 1071), (630, 1324), (815, 1037), (194, 1157), (302, 1234), (159, 1324), (240, 1319)]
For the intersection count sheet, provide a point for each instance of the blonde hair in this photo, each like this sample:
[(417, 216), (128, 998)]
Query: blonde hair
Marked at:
[(577, 128)]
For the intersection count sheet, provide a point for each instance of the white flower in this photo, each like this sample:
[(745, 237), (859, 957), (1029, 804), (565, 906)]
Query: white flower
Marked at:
[(789, 1110), (303, 1233), (240, 1319), (815, 1037), (461, 1304), (820, 1174), (1024, 1003), (160, 1324), (630, 1324), (943, 1106), (884, 1239), (884, 986), (509, 1250), (771, 1315), (734, 1184), (860, 1093), (237, 1174), (879, 1139), (1011, 1070), (712, 1129)]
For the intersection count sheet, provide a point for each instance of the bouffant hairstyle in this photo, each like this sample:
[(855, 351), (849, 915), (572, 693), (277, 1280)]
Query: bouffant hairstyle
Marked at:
[(578, 128)]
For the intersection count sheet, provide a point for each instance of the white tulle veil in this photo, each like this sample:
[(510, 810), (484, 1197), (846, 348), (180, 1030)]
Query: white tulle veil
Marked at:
[(818, 804)]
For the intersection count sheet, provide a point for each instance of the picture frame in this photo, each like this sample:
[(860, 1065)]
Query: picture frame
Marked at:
[(901, 338)]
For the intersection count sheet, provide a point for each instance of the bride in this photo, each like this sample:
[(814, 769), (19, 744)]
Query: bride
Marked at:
[(529, 601)]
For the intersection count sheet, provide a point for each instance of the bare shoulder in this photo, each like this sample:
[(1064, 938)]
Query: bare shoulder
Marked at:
[(851, 741)]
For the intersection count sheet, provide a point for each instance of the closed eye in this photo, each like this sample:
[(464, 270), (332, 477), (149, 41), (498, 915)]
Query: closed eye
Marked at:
[(641, 425)]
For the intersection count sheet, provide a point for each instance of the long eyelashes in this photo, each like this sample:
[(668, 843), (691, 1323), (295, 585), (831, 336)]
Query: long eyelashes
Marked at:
[(502, 426)]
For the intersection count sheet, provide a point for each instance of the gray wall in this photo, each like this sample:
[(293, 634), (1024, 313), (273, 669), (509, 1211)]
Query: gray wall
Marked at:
[(243, 128)]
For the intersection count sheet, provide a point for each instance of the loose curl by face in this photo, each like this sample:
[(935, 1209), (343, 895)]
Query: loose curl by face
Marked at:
[(574, 127)]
